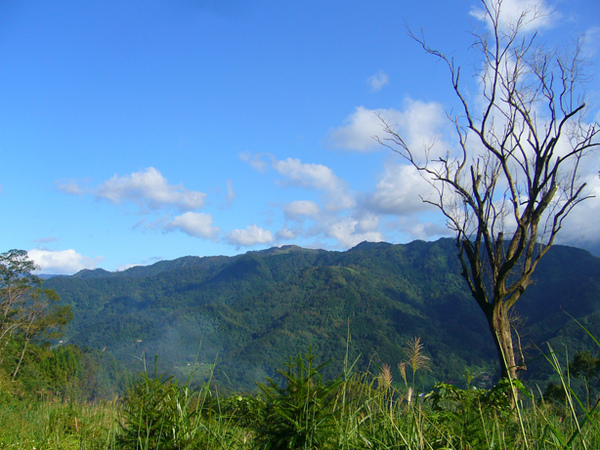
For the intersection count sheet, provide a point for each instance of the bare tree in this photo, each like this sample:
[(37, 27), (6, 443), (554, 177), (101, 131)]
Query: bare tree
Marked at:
[(513, 177)]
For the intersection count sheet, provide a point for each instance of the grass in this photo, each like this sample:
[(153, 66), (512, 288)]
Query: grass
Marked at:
[(304, 411), (45, 424)]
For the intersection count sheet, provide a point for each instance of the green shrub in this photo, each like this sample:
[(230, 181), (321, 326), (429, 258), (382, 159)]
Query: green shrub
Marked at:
[(302, 413), (157, 413)]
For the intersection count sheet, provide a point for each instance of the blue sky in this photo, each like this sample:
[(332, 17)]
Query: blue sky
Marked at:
[(137, 131)]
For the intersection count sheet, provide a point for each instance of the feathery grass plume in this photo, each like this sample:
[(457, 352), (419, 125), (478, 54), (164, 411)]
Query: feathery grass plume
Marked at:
[(409, 395), (402, 369), (384, 379), (413, 351)]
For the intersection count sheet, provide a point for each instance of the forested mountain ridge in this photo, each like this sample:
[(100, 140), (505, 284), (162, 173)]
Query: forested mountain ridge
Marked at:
[(250, 312)]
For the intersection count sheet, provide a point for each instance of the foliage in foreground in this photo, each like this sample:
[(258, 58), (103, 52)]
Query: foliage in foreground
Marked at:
[(301, 410)]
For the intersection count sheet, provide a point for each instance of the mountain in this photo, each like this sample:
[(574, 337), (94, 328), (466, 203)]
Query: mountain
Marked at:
[(250, 312)]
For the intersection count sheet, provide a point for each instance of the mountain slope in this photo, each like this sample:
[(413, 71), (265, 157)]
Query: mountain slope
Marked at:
[(252, 311)]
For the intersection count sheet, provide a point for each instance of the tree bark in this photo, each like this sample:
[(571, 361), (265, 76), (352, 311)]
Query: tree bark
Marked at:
[(501, 329), (14, 375)]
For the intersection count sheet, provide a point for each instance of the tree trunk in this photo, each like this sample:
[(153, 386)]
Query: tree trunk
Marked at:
[(502, 333), (14, 375)]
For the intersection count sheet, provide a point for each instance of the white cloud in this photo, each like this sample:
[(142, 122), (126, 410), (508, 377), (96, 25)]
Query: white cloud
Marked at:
[(591, 43), (295, 173), (300, 209), (358, 132), (398, 191), (69, 187), (422, 125), (285, 234), (255, 161), (149, 188), (194, 224), (62, 261), (377, 81), (124, 267), (415, 227), (533, 14), (307, 175), (581, 226), (316, 176), (368, 222), (252, 235), (347, 232), (419, 124)]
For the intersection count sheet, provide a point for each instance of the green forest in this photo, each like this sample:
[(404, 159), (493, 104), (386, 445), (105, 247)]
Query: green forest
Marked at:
[(247, 314)]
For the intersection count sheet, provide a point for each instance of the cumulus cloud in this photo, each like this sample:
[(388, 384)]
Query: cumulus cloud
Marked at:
[(358, 132), (348, 233), (150, 189), (152, 192), (377, 81), (398, 191), (415, 227), (531, 14), (419, 123), (316, 176), (319, 177), (580, 228), (194, 224), (301, 209), (62, 261), (368, 222), (343, 220), (307, 175), (252, 235), (285, 234)]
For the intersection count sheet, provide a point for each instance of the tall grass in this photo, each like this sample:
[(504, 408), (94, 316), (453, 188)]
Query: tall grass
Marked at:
[(302, 410), (47, 424)]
